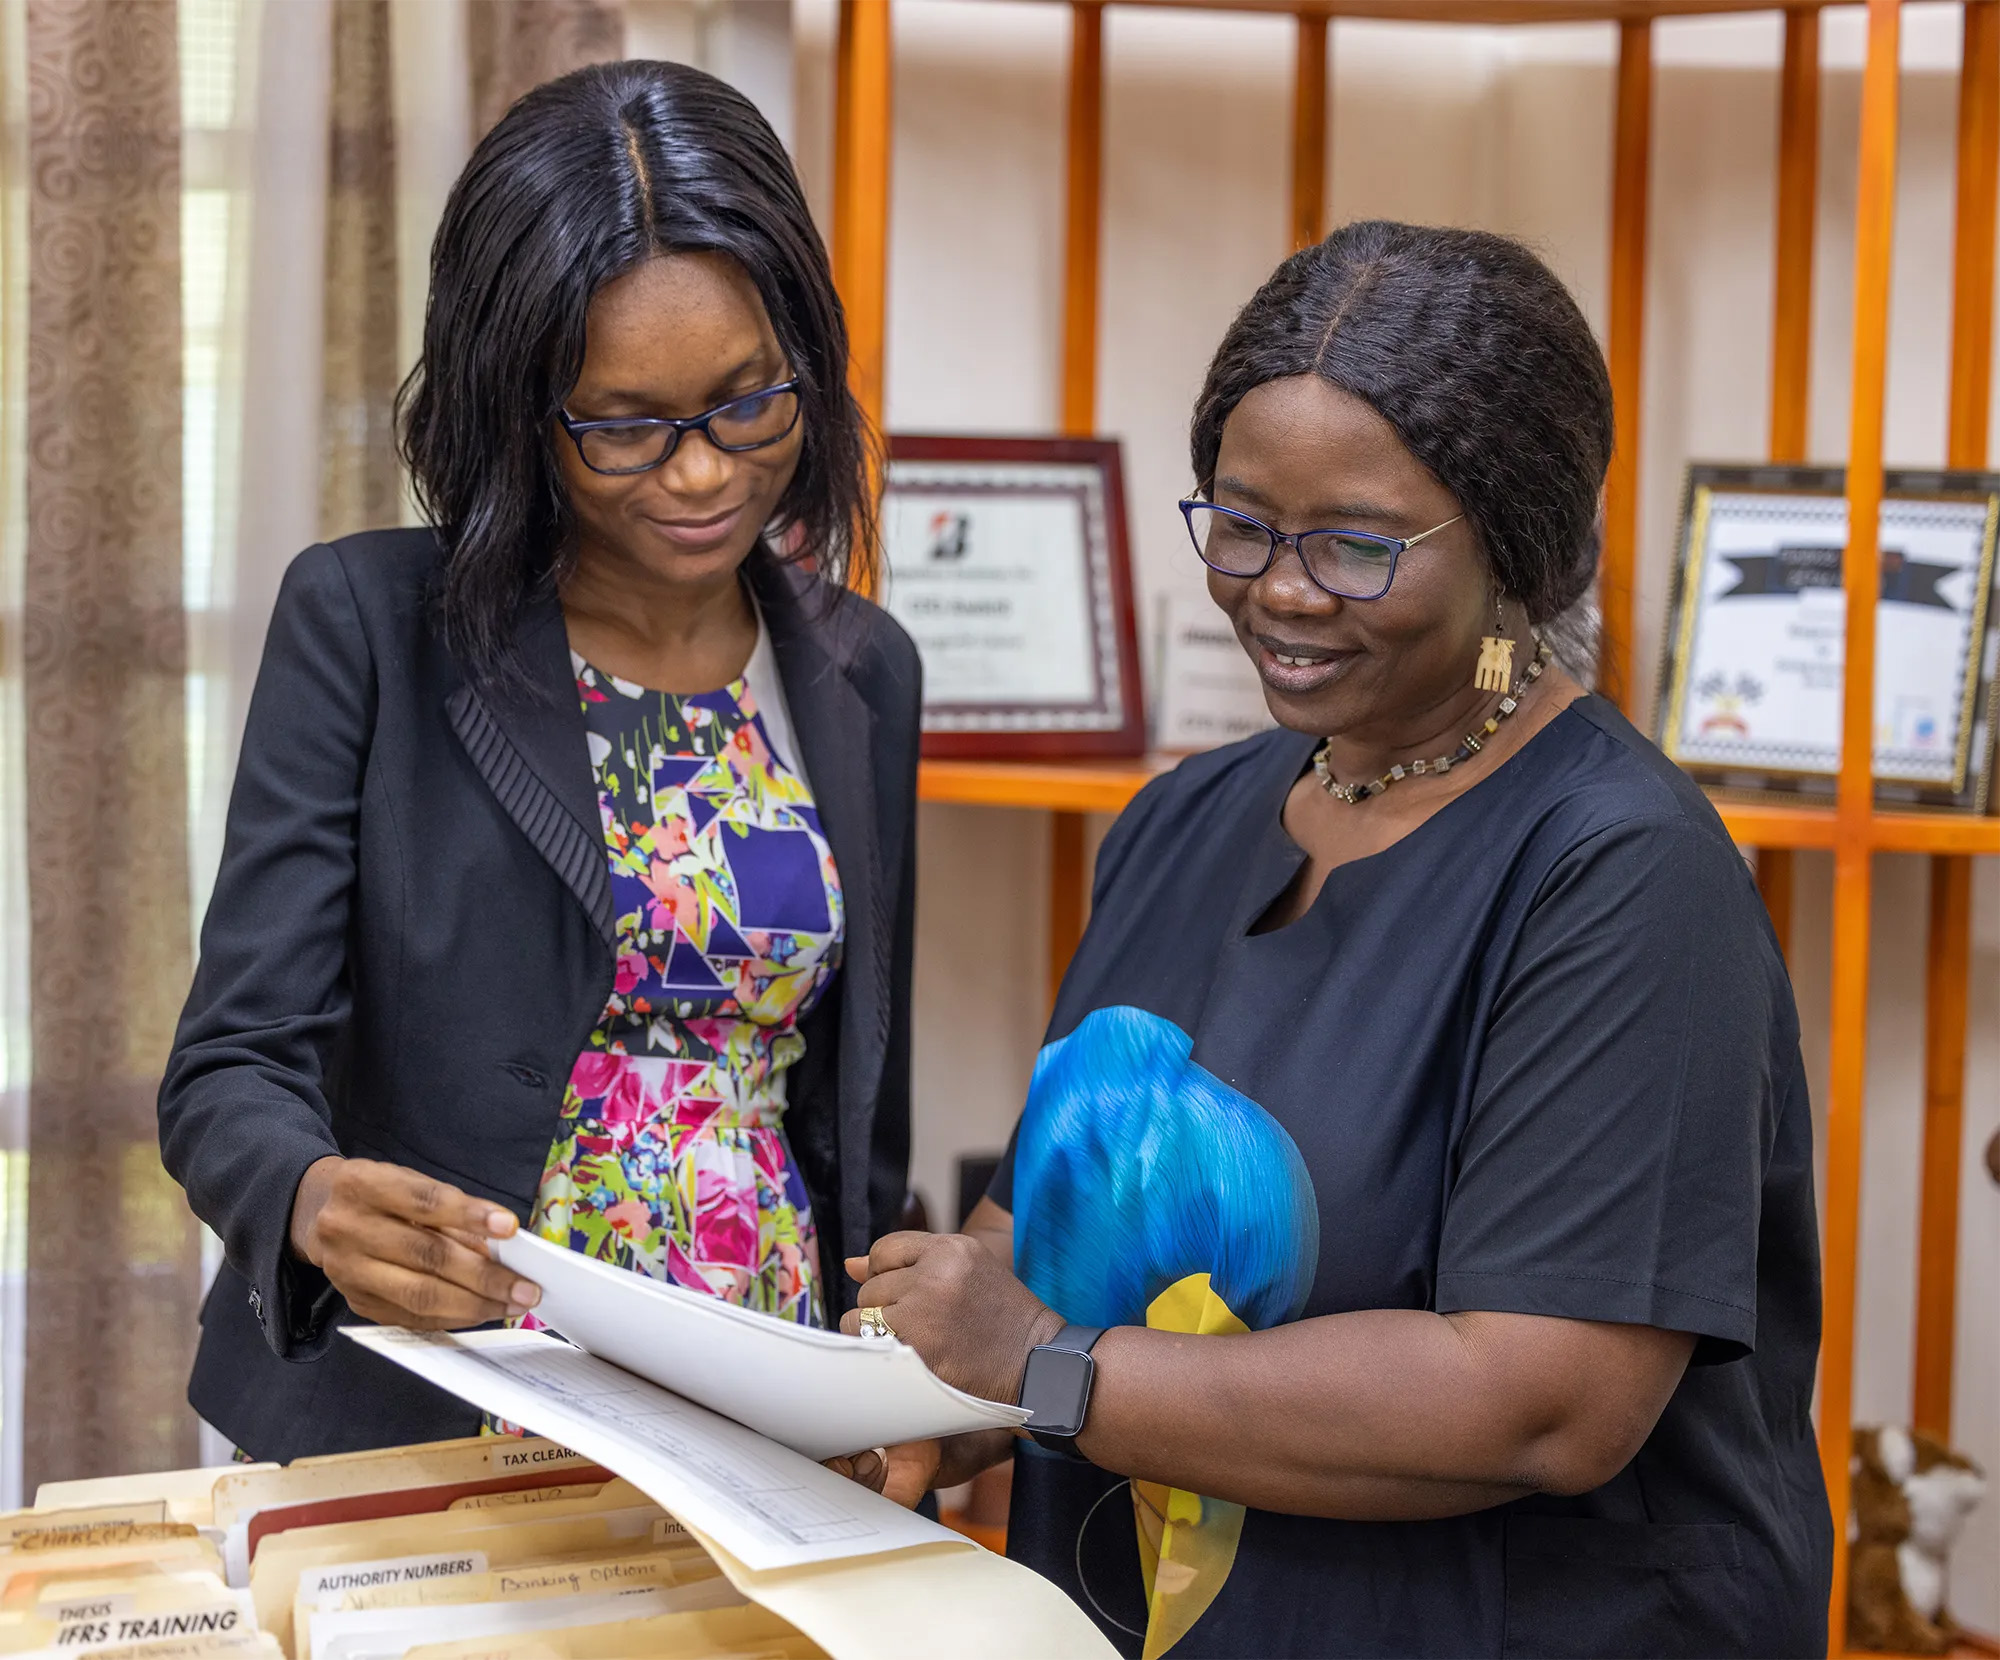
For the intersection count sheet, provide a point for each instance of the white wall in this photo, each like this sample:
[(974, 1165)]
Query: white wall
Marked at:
[(1507, 129)]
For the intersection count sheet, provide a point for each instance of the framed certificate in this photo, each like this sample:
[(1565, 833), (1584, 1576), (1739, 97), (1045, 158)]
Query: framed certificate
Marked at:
[(1209, 693), (1007, 562), (1754, 667)]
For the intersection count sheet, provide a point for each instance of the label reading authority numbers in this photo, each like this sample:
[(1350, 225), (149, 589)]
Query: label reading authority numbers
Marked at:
[(324, 1587)]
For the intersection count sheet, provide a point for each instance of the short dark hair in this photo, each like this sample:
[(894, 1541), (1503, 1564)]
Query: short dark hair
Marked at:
[(583, 179), (1472, 349)]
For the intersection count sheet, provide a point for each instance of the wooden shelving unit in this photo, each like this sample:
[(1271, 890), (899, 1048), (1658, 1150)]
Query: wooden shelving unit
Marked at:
[(1853, 830)]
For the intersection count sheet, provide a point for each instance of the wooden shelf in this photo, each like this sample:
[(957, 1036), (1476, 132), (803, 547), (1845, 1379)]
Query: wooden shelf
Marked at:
[(1059, 786), (1106, 786), (1757, 824), (1490, 11), (1969, 1645)]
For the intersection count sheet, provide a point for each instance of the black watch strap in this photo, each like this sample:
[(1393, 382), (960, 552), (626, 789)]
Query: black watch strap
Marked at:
[(1055, 1387)]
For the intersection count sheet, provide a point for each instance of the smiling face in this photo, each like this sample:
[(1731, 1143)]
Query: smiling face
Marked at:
[(676, 336), (1300, 454)]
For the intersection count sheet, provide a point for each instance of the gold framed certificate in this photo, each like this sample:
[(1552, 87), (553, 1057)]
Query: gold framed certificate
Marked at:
[(1006, 559), (1754, 668)]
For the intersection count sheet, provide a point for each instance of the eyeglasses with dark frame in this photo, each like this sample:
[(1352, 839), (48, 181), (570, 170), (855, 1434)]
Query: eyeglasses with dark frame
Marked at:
[(624, 446), (1349, 564)]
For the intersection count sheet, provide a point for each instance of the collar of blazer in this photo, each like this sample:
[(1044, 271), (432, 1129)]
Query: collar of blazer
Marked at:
[(527, 742)]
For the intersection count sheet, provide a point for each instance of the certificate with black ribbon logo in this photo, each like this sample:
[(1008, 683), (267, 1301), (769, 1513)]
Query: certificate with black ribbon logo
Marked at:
[(1754, 666)]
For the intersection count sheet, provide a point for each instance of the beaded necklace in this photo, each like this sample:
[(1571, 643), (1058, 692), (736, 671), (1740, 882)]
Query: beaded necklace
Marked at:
[(1474, 742)]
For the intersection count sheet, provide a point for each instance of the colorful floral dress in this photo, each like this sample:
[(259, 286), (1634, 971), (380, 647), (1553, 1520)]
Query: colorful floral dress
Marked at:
[(671, 1156)]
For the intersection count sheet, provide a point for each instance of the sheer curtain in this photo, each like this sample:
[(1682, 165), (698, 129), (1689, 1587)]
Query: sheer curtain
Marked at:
[(215, 218), (14, 1045), (111, 1254)]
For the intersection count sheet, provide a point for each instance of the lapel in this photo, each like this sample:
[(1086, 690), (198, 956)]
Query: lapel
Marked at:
[(835, 727), (528, 743)]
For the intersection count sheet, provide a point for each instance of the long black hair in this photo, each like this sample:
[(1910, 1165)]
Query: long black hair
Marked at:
[(1472, 349), (583, 179)]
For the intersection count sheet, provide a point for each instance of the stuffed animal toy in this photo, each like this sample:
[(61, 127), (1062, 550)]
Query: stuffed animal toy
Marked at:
[(1911, 1497)]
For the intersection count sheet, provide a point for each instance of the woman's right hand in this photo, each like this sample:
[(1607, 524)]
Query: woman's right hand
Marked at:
[(405, 1249)]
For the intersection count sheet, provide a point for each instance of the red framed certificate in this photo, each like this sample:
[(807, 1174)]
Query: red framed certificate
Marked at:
[(1008, 562)]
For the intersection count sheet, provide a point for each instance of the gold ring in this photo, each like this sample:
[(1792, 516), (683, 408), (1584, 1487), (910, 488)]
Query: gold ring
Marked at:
[(874, 1323)]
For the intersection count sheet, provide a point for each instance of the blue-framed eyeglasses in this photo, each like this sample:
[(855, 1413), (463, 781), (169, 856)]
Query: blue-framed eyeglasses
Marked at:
[(1352, 564), (638, 444)]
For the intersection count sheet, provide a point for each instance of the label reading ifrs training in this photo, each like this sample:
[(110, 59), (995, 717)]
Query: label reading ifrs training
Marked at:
[(511, 1457), (324, 1587), (215, 1622)]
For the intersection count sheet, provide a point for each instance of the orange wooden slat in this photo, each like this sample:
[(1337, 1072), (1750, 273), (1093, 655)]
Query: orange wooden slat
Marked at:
[(862, 109), (1309, 132), (1776, 872), (1082, 217), (1853, 860), (1058, 786), (1791, 328), (1082, 230), (1973, 242), (1106, 787), (1948, 953), (1069, 886), (1947, 960), (1798, 189), (1481, 11), (1934, 833), (1765, 825), (1625, 351)]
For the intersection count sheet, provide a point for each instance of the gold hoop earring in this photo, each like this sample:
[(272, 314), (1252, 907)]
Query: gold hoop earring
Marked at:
[(1496, 653)]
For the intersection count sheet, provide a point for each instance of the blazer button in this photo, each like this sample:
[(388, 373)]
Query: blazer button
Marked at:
[(257, 1304)]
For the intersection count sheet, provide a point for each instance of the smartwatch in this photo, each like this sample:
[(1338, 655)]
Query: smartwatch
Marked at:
[(1055, 1388)]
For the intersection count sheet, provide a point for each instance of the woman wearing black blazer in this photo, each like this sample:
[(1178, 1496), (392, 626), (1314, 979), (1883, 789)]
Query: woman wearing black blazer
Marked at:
[(569, 871)]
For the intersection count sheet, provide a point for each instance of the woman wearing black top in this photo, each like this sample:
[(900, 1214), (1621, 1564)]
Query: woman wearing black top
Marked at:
[(1423, 1113), (568, 880)]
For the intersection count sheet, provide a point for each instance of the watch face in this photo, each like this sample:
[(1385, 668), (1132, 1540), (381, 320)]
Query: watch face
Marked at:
[(1056, 1390)]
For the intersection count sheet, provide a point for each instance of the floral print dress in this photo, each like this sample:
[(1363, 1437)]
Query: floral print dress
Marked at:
[(671, 1156)]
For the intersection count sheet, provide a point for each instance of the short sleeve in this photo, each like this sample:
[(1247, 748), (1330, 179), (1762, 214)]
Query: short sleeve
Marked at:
[(1624, 1107)]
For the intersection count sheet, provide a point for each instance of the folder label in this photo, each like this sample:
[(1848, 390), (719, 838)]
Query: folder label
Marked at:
[(511, 1455), (324, 1587)]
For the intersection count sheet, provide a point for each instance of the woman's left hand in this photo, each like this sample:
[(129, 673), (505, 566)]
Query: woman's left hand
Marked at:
[(949, 1298)]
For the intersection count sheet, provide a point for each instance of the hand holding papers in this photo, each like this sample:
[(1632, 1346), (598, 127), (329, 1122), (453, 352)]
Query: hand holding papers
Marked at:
[(817, 1392)]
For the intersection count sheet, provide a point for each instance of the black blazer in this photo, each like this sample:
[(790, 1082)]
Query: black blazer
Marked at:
[(411, 937)]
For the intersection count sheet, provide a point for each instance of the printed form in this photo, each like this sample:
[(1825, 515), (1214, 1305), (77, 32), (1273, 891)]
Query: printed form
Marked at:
[(766, 1505)]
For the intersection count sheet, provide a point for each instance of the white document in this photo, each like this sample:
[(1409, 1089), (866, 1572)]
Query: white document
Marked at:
[(994, 584), (387, 1633), (766, 1505), (818, 1392), (1209, 693)]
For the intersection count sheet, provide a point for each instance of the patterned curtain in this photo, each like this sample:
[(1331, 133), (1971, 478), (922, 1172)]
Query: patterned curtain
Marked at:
[(112, 1253), (512, 45), (358, 483), (518, 44)]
